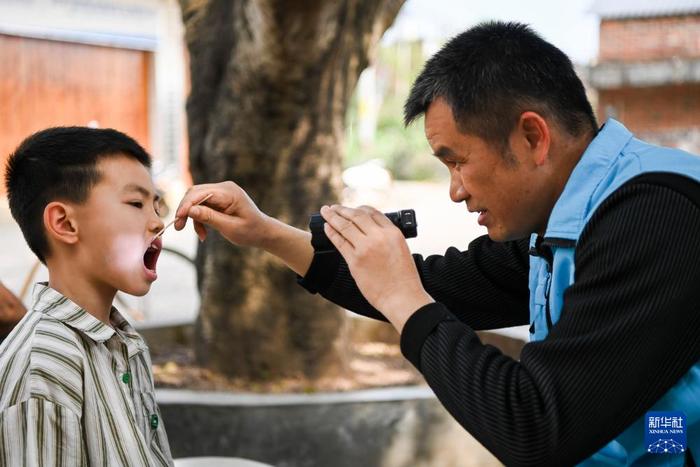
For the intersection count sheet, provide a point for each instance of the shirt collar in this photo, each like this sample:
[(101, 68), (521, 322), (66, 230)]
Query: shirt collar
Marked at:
[(568, 214), (133, 340), (52, 303)]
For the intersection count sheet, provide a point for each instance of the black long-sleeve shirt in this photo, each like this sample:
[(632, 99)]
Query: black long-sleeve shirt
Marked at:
[(629, 327)]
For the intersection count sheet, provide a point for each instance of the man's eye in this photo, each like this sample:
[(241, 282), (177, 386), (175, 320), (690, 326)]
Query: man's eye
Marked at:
[(136, 204)]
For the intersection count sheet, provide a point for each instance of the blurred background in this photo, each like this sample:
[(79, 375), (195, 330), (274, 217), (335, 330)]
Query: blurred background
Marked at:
[(125, 64)]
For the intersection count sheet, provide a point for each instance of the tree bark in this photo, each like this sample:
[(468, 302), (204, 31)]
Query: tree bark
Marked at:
[(271, 81)]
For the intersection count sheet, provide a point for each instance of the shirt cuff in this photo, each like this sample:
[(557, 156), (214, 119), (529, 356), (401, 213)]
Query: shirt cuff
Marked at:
[(419, 326), (322, 272)]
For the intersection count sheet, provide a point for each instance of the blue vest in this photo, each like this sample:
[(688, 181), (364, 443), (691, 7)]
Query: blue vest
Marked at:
[(613, 158)]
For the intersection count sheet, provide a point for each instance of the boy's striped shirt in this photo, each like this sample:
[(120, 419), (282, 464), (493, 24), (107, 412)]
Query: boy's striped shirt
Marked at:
[(74, 391)]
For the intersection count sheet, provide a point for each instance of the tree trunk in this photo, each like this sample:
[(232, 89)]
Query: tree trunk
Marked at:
[(271, 82)]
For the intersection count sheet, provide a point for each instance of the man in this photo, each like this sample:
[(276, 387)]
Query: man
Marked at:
[(592, 240)]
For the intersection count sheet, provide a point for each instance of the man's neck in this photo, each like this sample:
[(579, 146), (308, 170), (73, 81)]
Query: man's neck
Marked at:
[(569, 153), (572, 150), (82, 291)]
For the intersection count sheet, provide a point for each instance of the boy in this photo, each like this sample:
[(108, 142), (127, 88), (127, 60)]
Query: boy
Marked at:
[(76, 386)]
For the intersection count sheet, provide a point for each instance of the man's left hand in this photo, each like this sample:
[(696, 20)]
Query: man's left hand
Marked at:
[(379, 260)]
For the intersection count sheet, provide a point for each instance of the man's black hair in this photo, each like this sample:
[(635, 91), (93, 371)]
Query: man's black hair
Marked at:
[(492, 73), (59, 164)]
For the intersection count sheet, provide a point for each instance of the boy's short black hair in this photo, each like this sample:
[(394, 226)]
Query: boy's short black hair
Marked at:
[(495, 71), (59, 164)]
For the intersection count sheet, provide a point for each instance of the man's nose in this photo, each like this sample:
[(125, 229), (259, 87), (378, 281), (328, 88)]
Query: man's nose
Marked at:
[(457, 191)]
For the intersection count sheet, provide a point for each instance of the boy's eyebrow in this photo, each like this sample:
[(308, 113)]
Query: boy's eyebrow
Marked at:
[(144, 191)]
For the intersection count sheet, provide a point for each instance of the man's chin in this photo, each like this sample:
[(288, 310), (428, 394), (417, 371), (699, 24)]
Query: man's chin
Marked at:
[(499, 236), (496, 236)]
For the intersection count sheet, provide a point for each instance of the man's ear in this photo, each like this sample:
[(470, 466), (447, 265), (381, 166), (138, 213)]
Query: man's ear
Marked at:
[(60, 222), (535, 136)]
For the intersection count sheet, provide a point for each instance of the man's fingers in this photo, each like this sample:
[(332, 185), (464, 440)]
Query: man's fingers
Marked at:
[(359, 217), (341, 243), (353, 224), (201, 231), (377, 216), (342, 225), (192, 197), (204, 215), (185, 204), (219, 196)]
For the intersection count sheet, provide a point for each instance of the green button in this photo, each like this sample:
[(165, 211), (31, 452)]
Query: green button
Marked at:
[(154, 421), (126, 377)]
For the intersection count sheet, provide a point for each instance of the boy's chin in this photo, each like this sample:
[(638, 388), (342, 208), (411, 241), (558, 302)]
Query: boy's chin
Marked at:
[(137, 290), (140, 293)]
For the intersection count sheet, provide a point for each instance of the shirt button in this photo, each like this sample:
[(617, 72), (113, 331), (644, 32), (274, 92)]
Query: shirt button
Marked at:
[(126, 377), (154, 421)]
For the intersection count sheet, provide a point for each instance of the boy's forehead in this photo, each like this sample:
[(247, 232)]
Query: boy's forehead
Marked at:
[(125, 174)]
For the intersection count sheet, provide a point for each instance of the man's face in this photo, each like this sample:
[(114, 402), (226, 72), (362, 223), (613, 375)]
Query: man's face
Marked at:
[(504, 190), (117, 224)]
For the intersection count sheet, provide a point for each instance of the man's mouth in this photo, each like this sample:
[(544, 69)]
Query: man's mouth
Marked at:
[(150, 258), (482, 215)]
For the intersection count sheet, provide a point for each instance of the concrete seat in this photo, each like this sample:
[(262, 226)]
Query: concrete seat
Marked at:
[(217, 462)]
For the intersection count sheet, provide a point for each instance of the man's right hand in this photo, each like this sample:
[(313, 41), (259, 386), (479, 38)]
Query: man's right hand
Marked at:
[(231, 212)]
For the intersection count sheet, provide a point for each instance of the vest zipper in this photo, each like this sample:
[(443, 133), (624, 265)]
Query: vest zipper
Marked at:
[(544, 250)]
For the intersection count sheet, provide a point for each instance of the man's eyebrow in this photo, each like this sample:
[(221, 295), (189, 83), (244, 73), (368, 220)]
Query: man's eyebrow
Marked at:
[(443, 152), (144, 191)]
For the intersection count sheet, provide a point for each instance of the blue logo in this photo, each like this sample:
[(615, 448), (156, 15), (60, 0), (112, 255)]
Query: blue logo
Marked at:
[(665, 433)]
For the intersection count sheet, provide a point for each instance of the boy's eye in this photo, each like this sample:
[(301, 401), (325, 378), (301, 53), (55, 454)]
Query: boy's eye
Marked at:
[(136, 204)]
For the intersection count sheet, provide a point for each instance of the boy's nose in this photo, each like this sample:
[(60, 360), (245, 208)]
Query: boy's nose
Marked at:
[(156, 225)]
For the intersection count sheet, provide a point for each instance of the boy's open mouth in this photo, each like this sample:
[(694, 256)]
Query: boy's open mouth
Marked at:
[(150, 258)]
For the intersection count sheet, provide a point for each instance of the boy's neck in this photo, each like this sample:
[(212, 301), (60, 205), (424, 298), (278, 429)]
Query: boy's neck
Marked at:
[(81, 291)]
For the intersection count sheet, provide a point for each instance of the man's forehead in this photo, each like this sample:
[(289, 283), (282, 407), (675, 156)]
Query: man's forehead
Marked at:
[(439, 122), (439, 110)]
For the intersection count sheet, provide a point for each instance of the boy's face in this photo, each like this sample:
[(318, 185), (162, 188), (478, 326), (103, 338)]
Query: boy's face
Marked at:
[(116, 226)]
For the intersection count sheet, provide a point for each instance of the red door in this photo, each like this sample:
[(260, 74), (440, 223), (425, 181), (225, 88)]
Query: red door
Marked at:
[(50, 83)]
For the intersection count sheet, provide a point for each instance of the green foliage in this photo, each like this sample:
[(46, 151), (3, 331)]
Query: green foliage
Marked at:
[(405, 151)]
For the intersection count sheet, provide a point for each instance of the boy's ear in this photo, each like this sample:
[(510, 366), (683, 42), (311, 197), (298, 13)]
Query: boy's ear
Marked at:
[(60, 222)]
